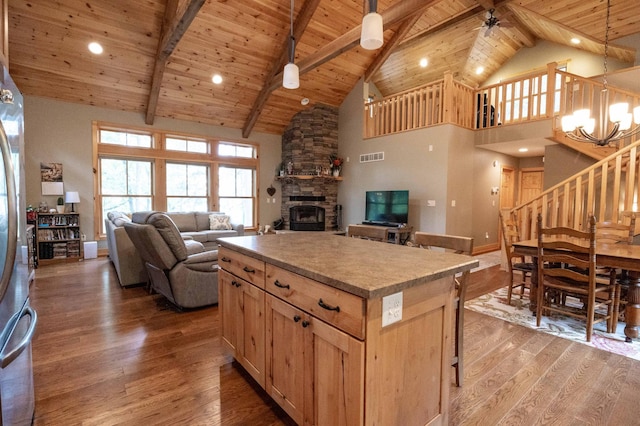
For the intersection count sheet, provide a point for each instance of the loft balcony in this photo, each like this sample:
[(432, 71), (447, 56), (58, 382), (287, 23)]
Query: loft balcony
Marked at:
[(527, 107)]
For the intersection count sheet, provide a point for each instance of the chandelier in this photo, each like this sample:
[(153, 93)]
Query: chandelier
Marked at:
[(581, 127)]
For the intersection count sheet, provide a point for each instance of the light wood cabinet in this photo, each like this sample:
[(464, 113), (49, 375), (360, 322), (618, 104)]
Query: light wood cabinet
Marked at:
[(243, 323), (328, 359), (315, 371)]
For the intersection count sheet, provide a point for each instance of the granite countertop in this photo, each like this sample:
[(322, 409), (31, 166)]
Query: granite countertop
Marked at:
[(365, 268)]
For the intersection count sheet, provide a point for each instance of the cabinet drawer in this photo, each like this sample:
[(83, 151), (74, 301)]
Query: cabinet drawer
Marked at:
[(343, 310), (242, 266)]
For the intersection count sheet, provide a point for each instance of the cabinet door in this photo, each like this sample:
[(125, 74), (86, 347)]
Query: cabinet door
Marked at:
[(335, 395), (242, 313), (286, 356), (315, 371)]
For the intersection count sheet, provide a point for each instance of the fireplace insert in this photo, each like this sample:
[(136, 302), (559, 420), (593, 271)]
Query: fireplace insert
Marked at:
[(306, 218)]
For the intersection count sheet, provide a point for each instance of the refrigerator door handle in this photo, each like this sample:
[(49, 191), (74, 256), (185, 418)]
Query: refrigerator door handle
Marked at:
[(7, 358)]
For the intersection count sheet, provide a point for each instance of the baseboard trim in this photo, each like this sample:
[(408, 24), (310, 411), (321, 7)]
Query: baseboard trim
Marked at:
[(486, 249)]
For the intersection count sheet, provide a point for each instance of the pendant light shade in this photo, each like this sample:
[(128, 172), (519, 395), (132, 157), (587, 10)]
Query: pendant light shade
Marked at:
[(372, 33), (291, 74), (291, 77)]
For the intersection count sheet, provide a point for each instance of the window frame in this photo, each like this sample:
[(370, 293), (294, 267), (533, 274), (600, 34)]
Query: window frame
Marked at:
[(159, 156)]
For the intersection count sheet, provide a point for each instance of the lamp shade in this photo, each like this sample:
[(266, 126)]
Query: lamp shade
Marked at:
[(372, 34), (72, 197), (291, 76)]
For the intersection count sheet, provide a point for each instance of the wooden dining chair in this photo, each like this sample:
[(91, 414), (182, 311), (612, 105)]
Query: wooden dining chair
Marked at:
[(368, 232), (515, 263), (567, 273), (618, 232), (459, 245)]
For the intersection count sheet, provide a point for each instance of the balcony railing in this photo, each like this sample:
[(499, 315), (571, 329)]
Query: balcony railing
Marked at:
[(543, 95)]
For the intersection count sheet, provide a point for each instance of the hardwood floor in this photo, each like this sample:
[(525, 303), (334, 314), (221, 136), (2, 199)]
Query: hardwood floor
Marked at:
[(107, 355)]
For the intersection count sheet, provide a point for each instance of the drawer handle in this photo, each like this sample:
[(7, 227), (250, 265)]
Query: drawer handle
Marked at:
[(277, 284), (296, 318), (327, 307), (226, 259), (249, 270), (235, 283), (305, 324)]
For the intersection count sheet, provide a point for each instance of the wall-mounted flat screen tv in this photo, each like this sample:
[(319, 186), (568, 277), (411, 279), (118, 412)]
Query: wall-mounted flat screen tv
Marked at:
[(387, 208)]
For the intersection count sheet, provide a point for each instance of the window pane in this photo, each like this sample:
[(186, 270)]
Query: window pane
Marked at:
[(139, 173), (233, 150), (176, 179), (176, 144), (180, 204), (125, 139), (185, 145), (239, 209), (244, 180), (198, 182), (112, 173), (226, 182)]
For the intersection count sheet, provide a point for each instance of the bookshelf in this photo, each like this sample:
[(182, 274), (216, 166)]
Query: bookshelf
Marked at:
[(58, 237)]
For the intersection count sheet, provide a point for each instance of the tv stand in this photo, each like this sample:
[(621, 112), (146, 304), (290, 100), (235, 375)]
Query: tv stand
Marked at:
[(396, 235)]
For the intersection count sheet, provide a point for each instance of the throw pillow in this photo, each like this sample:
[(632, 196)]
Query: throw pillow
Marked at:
[(120, 221), (219, 222)]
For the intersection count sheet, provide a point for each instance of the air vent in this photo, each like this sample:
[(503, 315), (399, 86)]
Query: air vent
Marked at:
[(376, 156)]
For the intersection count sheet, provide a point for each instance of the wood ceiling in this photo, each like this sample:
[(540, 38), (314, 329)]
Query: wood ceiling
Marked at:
[(165, 70)]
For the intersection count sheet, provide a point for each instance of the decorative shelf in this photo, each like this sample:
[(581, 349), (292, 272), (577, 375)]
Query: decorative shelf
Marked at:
[(308, 177)]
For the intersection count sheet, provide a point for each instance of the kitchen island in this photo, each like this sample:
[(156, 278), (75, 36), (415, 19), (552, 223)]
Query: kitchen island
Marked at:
[(342, 331)]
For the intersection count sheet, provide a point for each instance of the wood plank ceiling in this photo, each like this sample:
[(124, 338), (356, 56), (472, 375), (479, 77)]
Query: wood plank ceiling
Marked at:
[(165, 70)]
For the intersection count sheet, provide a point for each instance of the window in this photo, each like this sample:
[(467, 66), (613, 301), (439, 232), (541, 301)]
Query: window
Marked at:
[(125, 138), (125, 185), (236, 193), (173, 173), (187, 187), (186, 145)]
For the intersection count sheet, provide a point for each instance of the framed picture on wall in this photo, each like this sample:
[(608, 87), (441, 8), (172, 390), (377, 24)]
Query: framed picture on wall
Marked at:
[(51, 178)]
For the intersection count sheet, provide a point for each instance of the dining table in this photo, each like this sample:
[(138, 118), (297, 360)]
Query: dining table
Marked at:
[(625, 257)]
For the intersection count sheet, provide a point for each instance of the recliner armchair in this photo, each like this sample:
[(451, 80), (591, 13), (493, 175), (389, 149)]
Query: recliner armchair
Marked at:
[(187, 280)]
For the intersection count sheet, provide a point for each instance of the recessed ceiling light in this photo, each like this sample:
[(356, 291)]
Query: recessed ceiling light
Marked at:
[(523, 150), (95, 48), (479, 70), (217, 79), (424, 62), (575, 40), (304, 101)]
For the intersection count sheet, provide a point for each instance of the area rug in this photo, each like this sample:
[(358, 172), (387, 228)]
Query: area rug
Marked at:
[(495, 304)]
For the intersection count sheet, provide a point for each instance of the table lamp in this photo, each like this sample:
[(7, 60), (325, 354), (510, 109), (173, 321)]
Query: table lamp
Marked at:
[(72, 197)]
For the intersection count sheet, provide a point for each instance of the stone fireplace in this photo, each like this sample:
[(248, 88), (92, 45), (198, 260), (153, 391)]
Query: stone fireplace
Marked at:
[(308, 141)]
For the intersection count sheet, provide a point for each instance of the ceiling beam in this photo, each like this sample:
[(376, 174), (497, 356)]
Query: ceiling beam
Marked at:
[(486, 4), (390, 16), (299, 26), (174, 26)]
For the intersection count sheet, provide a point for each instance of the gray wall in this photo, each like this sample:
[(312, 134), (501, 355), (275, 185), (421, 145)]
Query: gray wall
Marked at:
[(438, 163), (60, 132), (561, 162)]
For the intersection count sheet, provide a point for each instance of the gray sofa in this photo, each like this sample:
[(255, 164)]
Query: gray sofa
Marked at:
[(193, 227)]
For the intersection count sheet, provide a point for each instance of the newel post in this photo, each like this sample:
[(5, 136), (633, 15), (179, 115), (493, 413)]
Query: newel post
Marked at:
[(447, 96)]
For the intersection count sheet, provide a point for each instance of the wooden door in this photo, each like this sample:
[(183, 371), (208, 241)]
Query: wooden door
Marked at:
[(531, 184), (507, 187), (286, 356)]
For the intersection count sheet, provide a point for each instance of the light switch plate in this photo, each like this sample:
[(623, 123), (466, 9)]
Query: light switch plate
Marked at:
[(391, 309)]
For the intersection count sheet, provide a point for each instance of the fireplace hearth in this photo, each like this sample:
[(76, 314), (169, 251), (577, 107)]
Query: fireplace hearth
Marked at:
[(306, 218)]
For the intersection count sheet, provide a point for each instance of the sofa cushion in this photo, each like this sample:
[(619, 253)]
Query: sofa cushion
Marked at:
[(186, 222), (202, 220), (120, 221), (219, 222), (169, 232), (193, 247), (214, 235), (197, 236)]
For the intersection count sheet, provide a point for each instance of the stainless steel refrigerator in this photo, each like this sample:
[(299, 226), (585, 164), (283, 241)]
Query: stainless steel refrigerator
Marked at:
[(17, 318)]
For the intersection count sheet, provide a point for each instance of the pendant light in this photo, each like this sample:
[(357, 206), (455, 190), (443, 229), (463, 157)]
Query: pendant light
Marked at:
[(372, 34), (615, 121), (291, 76)]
